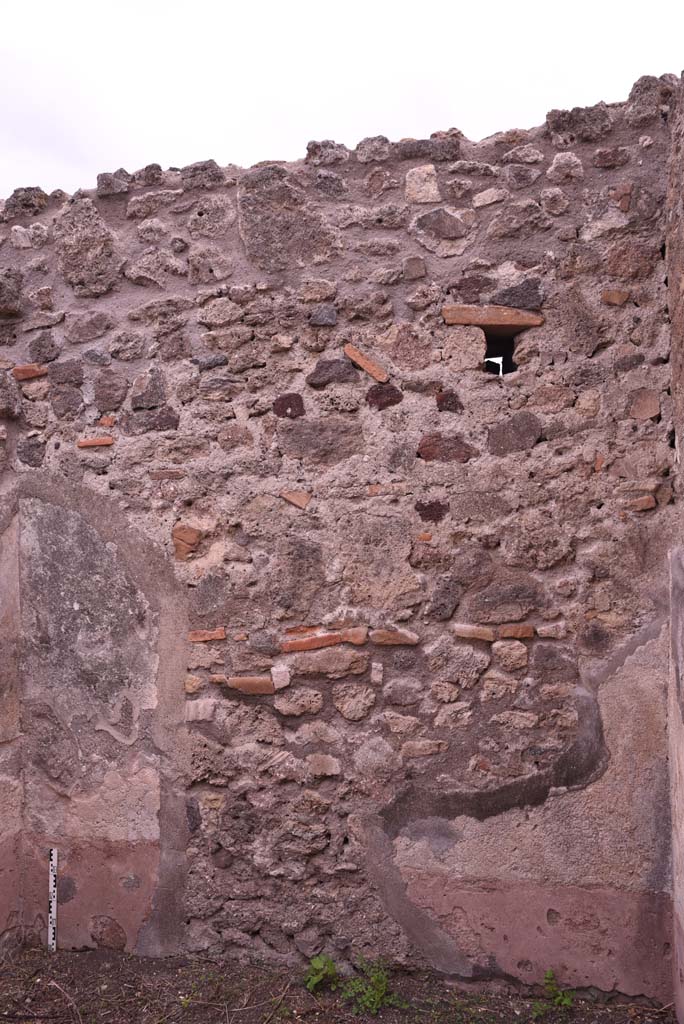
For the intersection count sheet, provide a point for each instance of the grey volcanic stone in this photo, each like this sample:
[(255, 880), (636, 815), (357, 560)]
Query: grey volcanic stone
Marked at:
[(276, 224), (10, 398), (10, 292), (87, 249), (25, 202)]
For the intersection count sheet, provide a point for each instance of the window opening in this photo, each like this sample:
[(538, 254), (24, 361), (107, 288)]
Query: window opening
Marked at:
[(499, 352)]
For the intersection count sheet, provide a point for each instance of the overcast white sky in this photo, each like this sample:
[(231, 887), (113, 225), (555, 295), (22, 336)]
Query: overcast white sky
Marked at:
[(88, 87)]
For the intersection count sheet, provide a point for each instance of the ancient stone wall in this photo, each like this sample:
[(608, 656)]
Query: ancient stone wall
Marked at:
[(322, 632)]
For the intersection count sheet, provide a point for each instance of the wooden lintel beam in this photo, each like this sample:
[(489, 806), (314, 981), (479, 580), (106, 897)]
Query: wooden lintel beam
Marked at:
[(491, 316)]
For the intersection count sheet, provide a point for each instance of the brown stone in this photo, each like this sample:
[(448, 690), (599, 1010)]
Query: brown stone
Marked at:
[(432, 511), (518, 433), (29, 371), (289, 406), (611, 157), (324, 441), (203, 636), (424, 748), (323, 765), (445, 448), (107, 933), (511, 655), (193, 684), (353, 700), (491, 316), (299, 702), (364, 362), (332, 371), (448, 401), (333, 662), (644, 404), (382, 396)]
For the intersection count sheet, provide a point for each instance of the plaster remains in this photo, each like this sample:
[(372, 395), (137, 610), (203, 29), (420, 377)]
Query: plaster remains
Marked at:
[(337, 503)]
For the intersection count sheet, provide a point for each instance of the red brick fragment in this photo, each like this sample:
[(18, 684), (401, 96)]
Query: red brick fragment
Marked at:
[(394, 637), (106, 421), (245, 684), (614, 296), (642, 504), (364, 362), (515, 631), (95, 442), (203, 636), (29, 371), (354, 635), (300, 499), (186, 540)]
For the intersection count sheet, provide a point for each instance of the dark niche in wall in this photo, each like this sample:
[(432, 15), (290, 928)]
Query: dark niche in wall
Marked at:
[(499, 351)]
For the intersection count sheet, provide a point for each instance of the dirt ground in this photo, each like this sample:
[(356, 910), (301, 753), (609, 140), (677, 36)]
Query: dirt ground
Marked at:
[(108, 988)]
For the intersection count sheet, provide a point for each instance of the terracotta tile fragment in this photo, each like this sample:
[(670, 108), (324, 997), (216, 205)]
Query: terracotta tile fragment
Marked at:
[(29, 371), (300, 499), (491, 316), (425, 537), (354, 635), (203, 636), (364, 362), (251, 684), (614, 296), (106, 421), (95, 442), (394, 637), (515, 631), (186, 540), (182, 551), (468, 632), (188, 535), (642, 504)]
